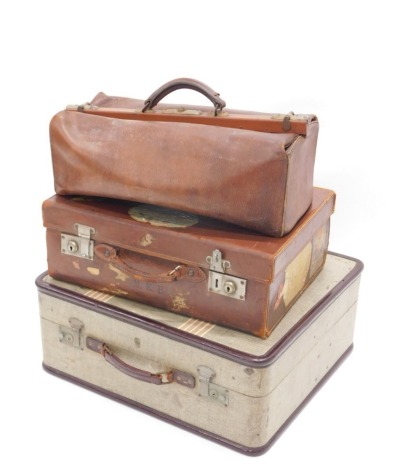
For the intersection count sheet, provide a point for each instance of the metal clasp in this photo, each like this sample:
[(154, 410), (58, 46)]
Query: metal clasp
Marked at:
[(79, 245), (79, 107), (72, 335), (221, 283), (210, 390), (217, 263)]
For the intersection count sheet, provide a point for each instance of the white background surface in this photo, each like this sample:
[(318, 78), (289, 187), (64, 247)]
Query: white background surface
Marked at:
[(329, 58)]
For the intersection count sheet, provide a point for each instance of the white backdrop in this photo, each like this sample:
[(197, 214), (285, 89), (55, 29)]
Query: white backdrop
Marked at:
[(329, 58)]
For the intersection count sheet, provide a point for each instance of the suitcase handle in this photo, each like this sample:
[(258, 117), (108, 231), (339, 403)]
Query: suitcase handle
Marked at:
[(182, 378), (180, 83), (181, 272)]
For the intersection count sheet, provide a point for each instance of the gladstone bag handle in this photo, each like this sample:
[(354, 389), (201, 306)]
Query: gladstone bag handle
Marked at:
[(180, 83)]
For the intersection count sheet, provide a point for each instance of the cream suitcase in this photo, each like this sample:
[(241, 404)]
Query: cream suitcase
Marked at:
[(235, 388)]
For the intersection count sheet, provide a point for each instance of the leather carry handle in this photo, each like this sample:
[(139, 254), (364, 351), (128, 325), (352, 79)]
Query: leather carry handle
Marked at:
[(181, 272), (188, 83), (163, 378)]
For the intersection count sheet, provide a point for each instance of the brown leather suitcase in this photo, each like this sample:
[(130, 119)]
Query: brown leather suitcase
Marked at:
[(250, 169), (193, 266)]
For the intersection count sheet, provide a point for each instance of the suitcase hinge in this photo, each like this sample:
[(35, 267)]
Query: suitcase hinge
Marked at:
[(208, 389), (72, 335), (79, 245), (221, 283)]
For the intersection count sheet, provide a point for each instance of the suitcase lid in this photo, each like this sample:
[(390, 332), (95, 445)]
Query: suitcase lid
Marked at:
[(338, 276), (185, 238)]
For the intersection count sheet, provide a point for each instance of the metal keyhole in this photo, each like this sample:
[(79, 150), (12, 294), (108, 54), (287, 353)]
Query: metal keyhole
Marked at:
[(230, 287), (72, 246)]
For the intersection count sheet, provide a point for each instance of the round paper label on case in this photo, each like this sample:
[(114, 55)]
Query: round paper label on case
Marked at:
[(162, 216)]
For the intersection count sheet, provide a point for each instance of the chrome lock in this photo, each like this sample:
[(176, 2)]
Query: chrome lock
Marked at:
[(221, 283), (230, 287), (211, 390), (79, 245), (72, 246), (72, 335)]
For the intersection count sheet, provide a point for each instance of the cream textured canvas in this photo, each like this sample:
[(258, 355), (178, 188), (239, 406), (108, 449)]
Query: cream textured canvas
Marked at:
[(245, 388)]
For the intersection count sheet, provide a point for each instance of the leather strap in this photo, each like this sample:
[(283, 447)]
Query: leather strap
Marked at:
[(188, 83), (181, 272), (163, 378)]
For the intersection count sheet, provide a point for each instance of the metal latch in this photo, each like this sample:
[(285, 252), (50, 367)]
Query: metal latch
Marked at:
[(79, 245), (208, 389), (287, 118), (72, 335), (221, 283)]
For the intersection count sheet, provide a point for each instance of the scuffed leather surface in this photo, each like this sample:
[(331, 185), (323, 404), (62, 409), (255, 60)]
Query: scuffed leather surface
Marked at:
[(239, 176), (261, 260)]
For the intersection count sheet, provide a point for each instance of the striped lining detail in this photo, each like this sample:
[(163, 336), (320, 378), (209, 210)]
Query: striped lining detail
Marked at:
[(196, 327), (96, 295)]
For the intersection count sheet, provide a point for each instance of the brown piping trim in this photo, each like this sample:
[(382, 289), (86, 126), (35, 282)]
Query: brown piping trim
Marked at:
[(232, 354), (250, 451)]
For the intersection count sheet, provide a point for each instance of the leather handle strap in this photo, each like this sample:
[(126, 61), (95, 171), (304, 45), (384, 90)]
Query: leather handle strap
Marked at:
[(188, 83), (163, 378), (181, 272)]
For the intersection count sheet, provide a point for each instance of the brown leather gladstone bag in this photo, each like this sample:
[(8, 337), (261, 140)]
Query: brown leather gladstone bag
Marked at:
[(251, 169)]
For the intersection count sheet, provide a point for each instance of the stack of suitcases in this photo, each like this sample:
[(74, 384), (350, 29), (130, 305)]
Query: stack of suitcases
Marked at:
[(188, 271)]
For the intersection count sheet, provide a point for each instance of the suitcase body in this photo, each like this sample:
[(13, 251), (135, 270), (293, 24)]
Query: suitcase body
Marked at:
[(194, 266), (232, 387), (190, 160)]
